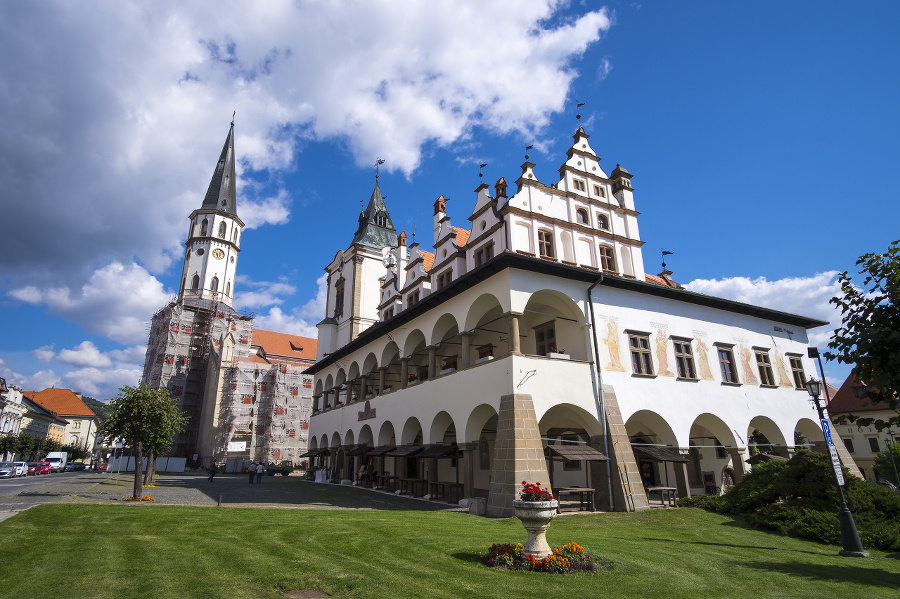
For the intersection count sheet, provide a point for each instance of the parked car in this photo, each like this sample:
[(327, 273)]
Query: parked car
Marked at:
[(44, 468), (69, 467), (32, 468), (7, 470), (80, 467), (21, 468), (102, 467)]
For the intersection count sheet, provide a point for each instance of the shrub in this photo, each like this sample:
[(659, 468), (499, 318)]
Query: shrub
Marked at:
[(755, 490), (711, 503)]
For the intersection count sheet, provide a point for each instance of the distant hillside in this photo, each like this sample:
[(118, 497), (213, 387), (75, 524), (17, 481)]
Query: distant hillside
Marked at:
[(99, 407)]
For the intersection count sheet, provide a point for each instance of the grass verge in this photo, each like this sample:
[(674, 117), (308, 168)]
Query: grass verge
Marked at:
[(163, 551)]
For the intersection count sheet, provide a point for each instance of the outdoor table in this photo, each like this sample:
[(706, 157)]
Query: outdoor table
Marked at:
[(411, 485), (664, 493), (388, 482), (585, 497), (444, 489)]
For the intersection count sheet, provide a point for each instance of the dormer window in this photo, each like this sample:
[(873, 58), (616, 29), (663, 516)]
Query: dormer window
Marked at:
[(381, 219), (579, 185), (581, 216), (413, 299), (602, 222), (599, 191)]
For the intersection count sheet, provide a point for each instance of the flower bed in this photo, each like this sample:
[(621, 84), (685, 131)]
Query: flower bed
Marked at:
[(144, 498), (563, 560), (534, 492)]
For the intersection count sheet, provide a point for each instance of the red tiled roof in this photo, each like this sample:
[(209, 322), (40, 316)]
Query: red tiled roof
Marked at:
[(845, 400), (62, 401), (427, 260), (462, 236), (283, 344)]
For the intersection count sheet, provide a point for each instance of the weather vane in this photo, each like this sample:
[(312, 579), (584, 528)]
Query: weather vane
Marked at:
[(480, 174), (664, 254), (378, 162), (526, 150), (578, 113)]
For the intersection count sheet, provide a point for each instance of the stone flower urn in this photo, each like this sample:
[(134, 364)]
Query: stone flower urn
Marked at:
[(536, 517)]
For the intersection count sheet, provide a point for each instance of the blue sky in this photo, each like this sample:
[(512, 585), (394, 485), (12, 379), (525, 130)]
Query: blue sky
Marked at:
[(761, 137)]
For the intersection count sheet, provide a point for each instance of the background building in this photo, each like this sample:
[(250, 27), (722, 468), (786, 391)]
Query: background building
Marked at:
[(242, 389), (81, 423)]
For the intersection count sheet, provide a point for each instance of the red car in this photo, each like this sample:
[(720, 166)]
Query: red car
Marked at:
[(32, 468), (101, 467), (44, 468)]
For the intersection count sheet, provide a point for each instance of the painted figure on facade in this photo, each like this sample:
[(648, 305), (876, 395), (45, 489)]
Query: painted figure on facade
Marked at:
[(612, 345), (662, 356), (747, 364), (703, 361)]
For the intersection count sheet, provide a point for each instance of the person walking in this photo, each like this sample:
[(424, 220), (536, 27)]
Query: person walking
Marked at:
[(212, 471), (252, 471), (259, 473)]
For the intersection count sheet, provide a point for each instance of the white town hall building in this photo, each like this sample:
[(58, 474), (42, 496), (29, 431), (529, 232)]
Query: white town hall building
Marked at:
[(514, 344)]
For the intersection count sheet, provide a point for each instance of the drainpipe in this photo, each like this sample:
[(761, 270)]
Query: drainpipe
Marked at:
[(600, 397)]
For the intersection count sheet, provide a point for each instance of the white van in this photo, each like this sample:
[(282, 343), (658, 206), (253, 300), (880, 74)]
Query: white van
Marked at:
[(57, 460)]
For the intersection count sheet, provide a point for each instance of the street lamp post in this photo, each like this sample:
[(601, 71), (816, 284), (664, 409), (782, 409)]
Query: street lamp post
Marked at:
[(850, 541)]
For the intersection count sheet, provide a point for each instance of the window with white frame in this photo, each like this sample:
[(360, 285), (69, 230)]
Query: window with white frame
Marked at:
[(545, 244), (607, 258)]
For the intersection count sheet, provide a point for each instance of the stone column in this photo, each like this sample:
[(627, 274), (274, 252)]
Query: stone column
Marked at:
[(363, 387), (315, 405), (382, 371), (470, 451), (738, 456), (325, 395), (681, 478), (514, 346), (518, 454), (466, 348), (432, 367), (404, 372)]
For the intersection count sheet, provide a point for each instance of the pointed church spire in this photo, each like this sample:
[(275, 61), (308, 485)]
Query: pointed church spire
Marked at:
[(221, 194)]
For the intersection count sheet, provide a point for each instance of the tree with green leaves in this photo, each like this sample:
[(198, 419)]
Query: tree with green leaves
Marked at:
[(887, 463), (869, 336), (147, 420)]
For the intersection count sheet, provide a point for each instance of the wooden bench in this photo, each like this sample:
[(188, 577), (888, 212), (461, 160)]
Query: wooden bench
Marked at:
[(585, 497)]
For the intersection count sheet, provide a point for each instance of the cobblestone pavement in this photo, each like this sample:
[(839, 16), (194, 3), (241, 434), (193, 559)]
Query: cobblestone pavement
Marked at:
[(292, 492)]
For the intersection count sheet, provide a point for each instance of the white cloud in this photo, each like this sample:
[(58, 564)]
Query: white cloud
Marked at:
[(100, 383), (807, 296), (300, 321), (84, 354), (118, 113), (604, 68), (116, 302), (44, 353), (265, 293)]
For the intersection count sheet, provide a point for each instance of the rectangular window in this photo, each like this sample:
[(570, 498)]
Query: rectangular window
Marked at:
[(484, 254), (873, 445), (599, 191), (413, 299), (848, 443), (641, 361), (389, 313), (579, 184), (444, 279), (545, 244), (684, 360), (766, 377), (797, 369), (726, 363), (545, 338)]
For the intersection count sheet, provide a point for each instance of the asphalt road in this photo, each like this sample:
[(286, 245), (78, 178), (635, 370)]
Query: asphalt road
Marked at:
[(10, 487)]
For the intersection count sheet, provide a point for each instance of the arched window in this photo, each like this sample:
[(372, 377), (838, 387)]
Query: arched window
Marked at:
[(582, 216), (607, 259), (234, 235), (228, 289), (204, 228), (195, 282), (602, 222), (214, 284), (222, 230)]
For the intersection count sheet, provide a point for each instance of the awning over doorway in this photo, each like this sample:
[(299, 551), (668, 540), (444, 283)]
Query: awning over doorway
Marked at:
[(404, 451), (438, 451), (578, 453), (359, 450), (659, 454), (380, 451), (312, 453)]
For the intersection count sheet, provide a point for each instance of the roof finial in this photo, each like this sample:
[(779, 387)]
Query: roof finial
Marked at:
[(578, 113), (480, 174), (414, 233), (378, 162), (526, 151), (664, 254), (232, 117)]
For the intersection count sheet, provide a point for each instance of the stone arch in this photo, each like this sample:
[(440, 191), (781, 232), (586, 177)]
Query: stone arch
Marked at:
[(812, 430), (415, 341), (412, 431), (446, 327), (713, 452), (566, 423), (646, 427), (335, 439), (441, 423), (313, 443), (478, 419), (349, 438), (776, 443), (370, 364), (390, 354), (365, 436), (550, 309), (386, 434)]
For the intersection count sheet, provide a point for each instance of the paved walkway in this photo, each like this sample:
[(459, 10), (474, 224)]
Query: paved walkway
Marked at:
[(193, 489)]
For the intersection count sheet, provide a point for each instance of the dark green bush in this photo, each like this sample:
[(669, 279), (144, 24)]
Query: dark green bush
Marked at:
[(798, 498)]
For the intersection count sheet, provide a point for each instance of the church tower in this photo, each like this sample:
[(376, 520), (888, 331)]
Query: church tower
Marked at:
[(355, 277), (214, 236)]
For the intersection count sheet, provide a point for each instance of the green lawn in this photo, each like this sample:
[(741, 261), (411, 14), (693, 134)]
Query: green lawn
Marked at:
[(126, 551)]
